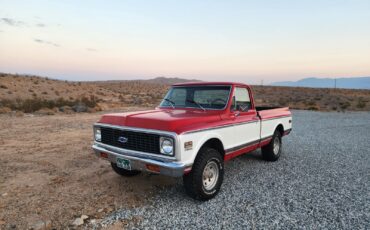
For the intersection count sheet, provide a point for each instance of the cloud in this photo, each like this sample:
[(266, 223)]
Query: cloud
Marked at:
[(40, 25), (91, 49), (18, 23), (12, 22), (46, 42)]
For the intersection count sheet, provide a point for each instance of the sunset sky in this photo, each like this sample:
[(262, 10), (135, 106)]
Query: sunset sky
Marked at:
[(245, 41)]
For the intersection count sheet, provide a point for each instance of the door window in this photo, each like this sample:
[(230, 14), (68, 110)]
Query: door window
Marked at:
[(241, 101)]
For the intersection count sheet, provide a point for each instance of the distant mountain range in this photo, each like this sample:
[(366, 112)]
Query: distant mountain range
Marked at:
[(344, 83), (157, 80), (169, 81)]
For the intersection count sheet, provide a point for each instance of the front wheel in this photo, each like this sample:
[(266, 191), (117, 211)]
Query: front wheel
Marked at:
[(272, 151), (205, 179), (124, 172)]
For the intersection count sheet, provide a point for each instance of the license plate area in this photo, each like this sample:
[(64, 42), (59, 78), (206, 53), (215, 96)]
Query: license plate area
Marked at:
[(123, 163)]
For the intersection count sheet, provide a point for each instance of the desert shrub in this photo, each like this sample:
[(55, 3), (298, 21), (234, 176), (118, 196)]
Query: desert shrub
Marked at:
[(311, 103), (313, 108), (36, 104), (344, 105), (5, 110), (3, 87), (31, 105), (90, 102), (361, 103), (282, 102)]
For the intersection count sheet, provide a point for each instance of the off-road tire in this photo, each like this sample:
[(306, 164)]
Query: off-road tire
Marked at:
[(124, 172), (193, 181), (269, 153)]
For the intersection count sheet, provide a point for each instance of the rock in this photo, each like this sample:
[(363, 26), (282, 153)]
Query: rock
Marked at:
[(80, 108), (78, 222), (101, 210), (93, 221), (48, 224), (4, 194), (40, 225)]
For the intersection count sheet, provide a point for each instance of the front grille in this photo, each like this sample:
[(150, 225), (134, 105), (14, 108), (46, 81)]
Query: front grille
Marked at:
[(143, 142)]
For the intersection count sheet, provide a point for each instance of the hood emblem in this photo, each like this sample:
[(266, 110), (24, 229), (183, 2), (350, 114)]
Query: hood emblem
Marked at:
[(122, 139)]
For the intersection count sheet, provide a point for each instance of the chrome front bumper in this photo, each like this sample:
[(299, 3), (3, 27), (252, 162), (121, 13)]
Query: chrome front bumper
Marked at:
[(168, 168)]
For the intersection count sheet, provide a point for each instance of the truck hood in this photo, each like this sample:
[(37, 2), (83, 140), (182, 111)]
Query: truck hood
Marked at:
[(171, 120)]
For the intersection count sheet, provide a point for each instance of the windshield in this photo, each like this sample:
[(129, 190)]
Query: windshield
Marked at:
[(202, 97)]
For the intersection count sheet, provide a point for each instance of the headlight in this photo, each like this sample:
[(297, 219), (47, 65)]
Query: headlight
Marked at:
[(97, 134), (166, 145)]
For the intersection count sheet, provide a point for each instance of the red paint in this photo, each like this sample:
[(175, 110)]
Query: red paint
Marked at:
[(239, 152), (265, 142), (287, 132)]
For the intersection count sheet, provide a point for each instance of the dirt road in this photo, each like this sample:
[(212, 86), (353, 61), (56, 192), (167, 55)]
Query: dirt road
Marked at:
[(49, 175)]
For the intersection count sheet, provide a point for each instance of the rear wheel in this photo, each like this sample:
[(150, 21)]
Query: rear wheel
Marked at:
[(205, 179), (272, 151), (124, 172)]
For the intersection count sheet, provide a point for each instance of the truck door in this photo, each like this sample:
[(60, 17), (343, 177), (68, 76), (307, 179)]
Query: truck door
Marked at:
[(246, 121)]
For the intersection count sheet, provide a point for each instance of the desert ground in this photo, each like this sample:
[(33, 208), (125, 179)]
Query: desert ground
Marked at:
[(48, 173), (49, 178)]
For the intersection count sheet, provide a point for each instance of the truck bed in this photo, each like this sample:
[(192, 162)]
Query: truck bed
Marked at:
[(265, 112)]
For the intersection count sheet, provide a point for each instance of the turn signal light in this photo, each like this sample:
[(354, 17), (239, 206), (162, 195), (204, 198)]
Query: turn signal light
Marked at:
[(104, 155), (153, 168)]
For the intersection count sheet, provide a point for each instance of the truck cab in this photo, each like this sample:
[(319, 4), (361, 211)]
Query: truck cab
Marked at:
[(195, 129)]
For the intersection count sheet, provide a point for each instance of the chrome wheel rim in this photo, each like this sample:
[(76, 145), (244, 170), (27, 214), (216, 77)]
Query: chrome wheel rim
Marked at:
[(276, 145), (210, 175)]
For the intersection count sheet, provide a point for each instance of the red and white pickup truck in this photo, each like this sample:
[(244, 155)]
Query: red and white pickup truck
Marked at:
[(196, 128)]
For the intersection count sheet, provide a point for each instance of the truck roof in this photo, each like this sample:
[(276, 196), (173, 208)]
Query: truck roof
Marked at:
[(208, 83)]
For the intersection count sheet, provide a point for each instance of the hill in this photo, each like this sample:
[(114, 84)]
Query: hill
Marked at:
[(343, 83), (25, 93)]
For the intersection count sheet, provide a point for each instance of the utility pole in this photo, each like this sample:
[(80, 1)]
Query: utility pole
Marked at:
[(335, 83)]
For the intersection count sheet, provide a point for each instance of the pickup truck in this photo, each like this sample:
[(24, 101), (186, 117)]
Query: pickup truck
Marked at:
[(196, 128)]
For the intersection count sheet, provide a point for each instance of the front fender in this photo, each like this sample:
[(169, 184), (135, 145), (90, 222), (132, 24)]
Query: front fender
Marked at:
[(198, 139)]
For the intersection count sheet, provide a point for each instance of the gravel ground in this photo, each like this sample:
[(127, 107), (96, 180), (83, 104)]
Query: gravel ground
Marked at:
[(321, 181)]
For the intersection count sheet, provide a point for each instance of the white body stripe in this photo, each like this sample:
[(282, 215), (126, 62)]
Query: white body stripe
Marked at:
[(230, 136)]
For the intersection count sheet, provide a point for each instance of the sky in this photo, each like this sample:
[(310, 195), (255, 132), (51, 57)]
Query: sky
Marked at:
[(245, 41)]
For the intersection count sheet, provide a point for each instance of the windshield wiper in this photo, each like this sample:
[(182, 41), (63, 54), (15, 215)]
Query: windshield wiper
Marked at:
[(194, 102), (170, 102)]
